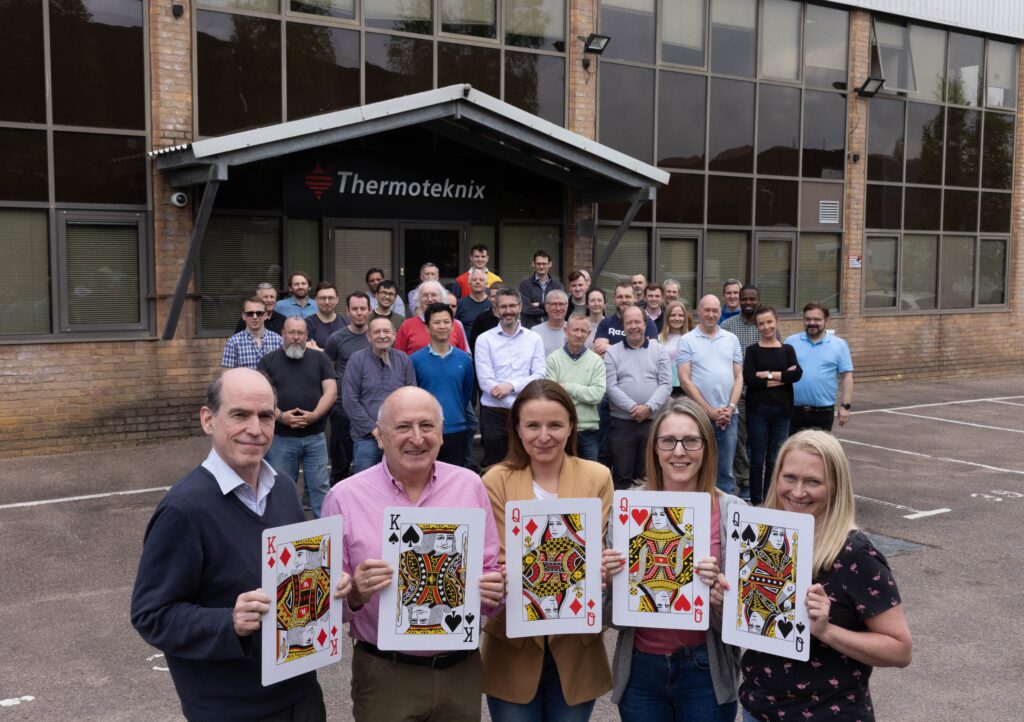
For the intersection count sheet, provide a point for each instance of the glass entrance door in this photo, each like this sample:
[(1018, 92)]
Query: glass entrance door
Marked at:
[(440, 244)]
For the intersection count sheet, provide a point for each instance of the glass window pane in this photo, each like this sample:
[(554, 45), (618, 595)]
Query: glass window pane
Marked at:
[(880, 273), (265, 6), (824, 135), (480, 67), (327, 8), (410, 16), (681, 120), (617, 211), (818, 270), (302, 246), (323, 69), (995, 212), (778, 130), (356, 249), (780, 40), (535, 24), (963, 145), (630, 23), (922, 209), (925, 128), (683, 200), (885, 140), (519, 243), (25, 272), (683, 24), (960, 211), (103, 274), (1001, 85), (91, 168), (731, 137), (825, 47), (966, 53), (929, 52), (23, 177), (956, 272), (242, 54), (629, 257), (997, 158), (237, 254), (397, 66), (894, 50), (777, 202), (883, 206), (726, 255), (22, 82), (677, 259), (97, 63), (536, 83), (992, 271), (626, 109), (734, 37), (478, 18), (918, 270), (774, 268), (729, 200)]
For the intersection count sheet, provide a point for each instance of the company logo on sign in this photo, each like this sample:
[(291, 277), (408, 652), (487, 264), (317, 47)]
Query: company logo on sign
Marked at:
[(319, 181), (351, 183)]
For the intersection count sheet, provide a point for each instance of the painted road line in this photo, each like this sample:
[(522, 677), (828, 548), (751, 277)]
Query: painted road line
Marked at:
[(1008, 403), (914, 513), (84, 497), (16, 700), (953, 421), (937, 403), (936, 458), (151, 657), (923, 514)]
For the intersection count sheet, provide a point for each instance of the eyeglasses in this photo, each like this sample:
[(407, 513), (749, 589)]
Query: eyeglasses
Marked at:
[(254, 314), (668, 443)]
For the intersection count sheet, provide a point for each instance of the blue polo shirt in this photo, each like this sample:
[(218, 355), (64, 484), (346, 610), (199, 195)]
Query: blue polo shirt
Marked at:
[(711, 360), (822, 362), (289, 307)]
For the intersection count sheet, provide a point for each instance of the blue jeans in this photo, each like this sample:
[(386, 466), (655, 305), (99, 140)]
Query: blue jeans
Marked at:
[(673, 688), (365, 453), (547, 704), (726, 439), (767, 428), (287, 451), (587, 444), (747, 717)]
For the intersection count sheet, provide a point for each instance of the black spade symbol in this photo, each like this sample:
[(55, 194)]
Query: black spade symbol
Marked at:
[(453, 620), (470, 617), (411, 536), (785, 627), (749, 535), (800, 627), (735, 535), (393, 538)]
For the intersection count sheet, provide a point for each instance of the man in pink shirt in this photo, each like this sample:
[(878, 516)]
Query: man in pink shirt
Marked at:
[(396, 685)]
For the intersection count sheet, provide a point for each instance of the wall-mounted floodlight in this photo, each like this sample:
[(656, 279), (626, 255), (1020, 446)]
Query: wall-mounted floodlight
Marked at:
[(870, 87), (593, 44)]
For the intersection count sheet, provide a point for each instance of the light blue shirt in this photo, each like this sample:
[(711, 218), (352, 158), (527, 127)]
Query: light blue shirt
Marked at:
[(822, 363), (711, 360), (230, 482), (289, 307), (502, 358)]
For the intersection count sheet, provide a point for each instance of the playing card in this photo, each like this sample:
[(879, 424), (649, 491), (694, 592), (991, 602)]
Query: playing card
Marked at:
[(433, 601), (768, 566), (301, 567), (662, 535), (553, 559)]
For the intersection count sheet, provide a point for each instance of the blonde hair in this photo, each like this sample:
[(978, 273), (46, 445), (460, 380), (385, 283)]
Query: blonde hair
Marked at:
[(687, 319), (831, 531), (708, 474)]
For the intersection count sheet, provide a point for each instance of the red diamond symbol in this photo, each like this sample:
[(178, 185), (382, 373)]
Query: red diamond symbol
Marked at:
[(334, 630), (515, 530), (270, 562), (322, 637), (285, 556), (575, 606), (590, 604), (531, 526), (318, 181)]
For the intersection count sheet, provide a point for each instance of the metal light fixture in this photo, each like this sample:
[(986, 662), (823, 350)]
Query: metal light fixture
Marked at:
[(871, 86), (593, 44), (177, 9)]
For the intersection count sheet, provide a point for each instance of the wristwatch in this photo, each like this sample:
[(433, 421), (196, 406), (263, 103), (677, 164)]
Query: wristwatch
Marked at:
[(847, 406), (771, 375)]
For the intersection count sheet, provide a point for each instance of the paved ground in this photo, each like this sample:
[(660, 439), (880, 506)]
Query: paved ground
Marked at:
[(68, 563)]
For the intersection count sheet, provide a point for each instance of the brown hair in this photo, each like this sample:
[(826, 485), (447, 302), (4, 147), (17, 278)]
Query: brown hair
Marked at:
[(815, 306), (708, 474), (537, 390)]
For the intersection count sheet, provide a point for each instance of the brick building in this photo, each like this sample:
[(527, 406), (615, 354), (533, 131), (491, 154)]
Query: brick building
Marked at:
[(754, 121)]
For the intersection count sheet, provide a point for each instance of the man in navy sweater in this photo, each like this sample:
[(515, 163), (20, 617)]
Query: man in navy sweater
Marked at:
[(197, 595)]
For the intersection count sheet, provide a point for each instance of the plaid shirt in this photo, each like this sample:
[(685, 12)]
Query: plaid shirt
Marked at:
[(241, 349), (746, 332)]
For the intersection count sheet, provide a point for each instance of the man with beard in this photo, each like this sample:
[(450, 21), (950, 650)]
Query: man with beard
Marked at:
[(299, 303), (325, 321), (339, 349), (273, 320), (306, 390), (824, 358)]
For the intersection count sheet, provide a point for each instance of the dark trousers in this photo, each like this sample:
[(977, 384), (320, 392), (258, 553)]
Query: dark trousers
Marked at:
[(340, 448), (494, 434), (453, 449), (811, 417), (308, 709), (604, 414), (767, 428), (628, 441)]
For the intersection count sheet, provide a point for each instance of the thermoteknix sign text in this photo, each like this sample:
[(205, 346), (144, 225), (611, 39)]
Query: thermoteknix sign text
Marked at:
[(426, 188)]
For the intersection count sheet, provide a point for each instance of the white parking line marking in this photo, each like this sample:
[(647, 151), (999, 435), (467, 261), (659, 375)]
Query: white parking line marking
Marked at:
[(938, 403), (1008, 403), (923, 514), (952, 421), (151, 657), (914, 513), (929, 456), (16, 700), (83, 497), (161, 669)]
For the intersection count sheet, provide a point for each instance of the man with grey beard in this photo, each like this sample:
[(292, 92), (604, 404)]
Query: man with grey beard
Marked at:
[(306, 389)]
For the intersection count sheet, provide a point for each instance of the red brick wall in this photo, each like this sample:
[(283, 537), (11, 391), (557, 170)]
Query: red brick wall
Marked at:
[(579, 249)]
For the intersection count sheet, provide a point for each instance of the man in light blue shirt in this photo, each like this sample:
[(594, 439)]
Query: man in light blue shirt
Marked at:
[(824, 358), (710, 364), (299, 303)]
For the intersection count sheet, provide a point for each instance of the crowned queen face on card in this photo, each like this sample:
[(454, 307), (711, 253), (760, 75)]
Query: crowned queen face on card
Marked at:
[(662, 535), (768, 567), (433, 602), (553, 562), (301, 568)]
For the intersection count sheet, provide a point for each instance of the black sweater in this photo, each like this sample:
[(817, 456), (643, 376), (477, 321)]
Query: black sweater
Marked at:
[(759, 358)]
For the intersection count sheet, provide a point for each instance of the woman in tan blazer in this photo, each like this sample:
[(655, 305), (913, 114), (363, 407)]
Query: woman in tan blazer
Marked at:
[(557, 677)]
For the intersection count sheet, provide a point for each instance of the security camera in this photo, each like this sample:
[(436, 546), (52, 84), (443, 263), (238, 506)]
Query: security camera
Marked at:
[(179, 199)]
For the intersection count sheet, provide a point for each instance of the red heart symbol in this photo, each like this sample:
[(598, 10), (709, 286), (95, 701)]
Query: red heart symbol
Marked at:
[(682, 603), (623, 518), (640, 516), (699, 601)]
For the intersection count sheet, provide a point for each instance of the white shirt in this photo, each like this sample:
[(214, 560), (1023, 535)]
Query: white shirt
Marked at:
[(502, 358), (229, 481)]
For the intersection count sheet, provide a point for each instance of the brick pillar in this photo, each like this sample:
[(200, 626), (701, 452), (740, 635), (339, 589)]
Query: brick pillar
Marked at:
[(170, 46), (856, 143), (1015, 277), (579, 247)]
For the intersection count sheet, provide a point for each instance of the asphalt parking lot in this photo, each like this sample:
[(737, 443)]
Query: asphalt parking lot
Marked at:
[(939, 476)]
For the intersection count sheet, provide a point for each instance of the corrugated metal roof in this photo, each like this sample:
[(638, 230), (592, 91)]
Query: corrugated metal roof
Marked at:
[(996, 17)]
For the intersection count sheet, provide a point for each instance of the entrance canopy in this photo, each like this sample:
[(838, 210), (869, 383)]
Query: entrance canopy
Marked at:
[(459, 113)]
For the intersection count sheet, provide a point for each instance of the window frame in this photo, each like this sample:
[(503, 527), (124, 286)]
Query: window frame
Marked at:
[(876, 54), (679, 233), (790, 237)]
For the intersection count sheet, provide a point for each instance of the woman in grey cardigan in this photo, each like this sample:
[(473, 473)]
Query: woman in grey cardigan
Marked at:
[(663, 674)]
